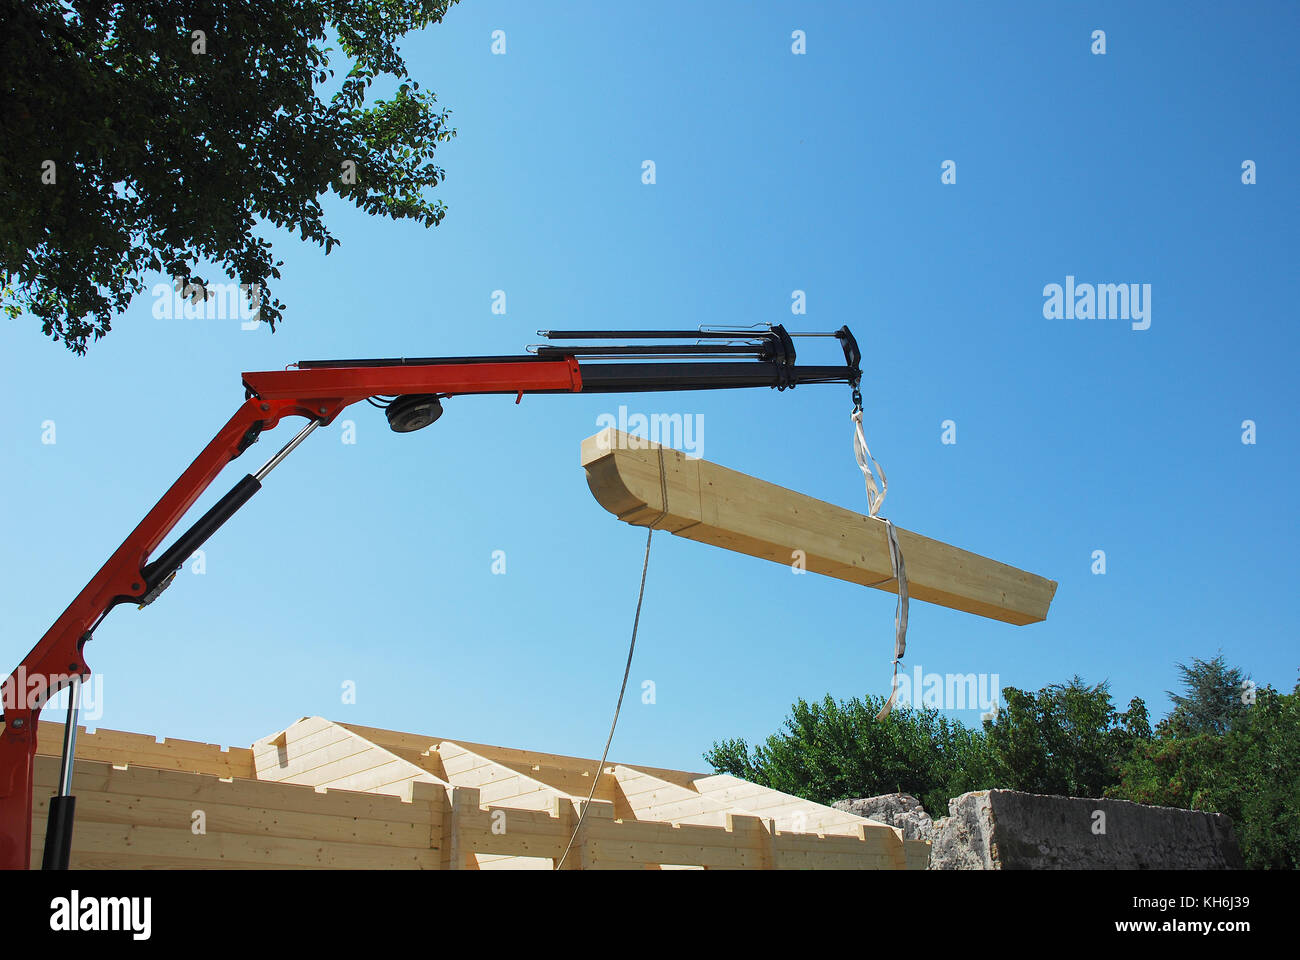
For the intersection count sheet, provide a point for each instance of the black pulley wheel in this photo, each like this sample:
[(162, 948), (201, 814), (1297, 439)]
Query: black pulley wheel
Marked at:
[(413, 412)]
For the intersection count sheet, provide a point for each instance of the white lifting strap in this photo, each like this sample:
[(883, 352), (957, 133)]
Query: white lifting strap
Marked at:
[(875, 497)]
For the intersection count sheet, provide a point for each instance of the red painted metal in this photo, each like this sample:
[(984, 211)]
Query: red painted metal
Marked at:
[(350, 384), (316, 393)]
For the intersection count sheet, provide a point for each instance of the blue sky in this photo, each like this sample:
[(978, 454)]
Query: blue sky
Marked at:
[(372, 562)]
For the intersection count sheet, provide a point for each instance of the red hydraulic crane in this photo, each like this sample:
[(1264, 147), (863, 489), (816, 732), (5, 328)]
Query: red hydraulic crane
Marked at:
[(318, 391)]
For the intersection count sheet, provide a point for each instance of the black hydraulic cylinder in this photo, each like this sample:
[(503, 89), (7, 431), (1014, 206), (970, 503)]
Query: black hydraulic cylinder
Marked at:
[(193, 538), (642, 350), (58, 833), (655, 334)]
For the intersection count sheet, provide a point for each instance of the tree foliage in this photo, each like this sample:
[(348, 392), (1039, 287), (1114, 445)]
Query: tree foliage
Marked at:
[(1251, 772), (831, 750), (1212, 699), (158, 134), (1241, 759), (1067, 739)]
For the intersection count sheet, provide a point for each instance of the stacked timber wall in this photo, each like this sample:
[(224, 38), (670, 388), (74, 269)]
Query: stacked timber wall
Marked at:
[(148, 804), (323, 795)]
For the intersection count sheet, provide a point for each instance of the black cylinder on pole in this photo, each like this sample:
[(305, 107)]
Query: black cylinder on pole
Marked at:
[(193, 538), (58, 833)]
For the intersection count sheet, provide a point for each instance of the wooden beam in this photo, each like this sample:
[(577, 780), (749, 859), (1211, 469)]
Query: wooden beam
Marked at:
[(729, 509)]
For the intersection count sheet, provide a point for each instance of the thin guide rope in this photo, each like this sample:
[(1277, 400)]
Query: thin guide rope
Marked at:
[(627, 669)]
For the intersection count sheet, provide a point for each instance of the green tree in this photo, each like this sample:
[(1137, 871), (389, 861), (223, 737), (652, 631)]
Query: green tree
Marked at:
[(1169, 771), (157, 135), (1263, 769), (832, 750), (1212, 698), (1251, 773), (1066, 739), (732, 756)]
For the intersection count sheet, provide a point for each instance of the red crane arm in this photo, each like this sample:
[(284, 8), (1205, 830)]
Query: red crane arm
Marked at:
[(319, 395), (318, 391)]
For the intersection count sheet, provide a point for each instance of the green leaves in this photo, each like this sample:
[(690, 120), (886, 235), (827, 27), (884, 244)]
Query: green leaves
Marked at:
[(831, 750), (732, 756), (1066, 739), (126, 152), (1251, 772), (1212, 700)]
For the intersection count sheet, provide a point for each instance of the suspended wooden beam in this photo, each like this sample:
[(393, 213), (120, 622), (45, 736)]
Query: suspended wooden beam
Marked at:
[(729, 509)]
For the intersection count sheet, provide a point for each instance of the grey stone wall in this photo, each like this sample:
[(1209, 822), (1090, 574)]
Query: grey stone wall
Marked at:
[(900, 810), (1007, 830)]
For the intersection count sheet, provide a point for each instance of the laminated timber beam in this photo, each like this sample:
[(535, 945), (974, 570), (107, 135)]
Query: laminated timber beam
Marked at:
[(708, 503)]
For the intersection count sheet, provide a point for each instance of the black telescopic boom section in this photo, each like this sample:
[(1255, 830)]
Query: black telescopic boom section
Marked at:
[(747, 358), (772, 364), (668, 376)]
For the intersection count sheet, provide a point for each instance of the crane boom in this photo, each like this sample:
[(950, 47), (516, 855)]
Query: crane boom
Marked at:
[(319, 391)]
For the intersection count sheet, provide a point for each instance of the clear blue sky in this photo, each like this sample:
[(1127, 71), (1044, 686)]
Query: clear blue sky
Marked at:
[(371, 562)]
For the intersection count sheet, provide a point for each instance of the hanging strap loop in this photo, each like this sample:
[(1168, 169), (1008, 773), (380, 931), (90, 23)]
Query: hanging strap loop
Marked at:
[(875, 497), (875, 493)]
